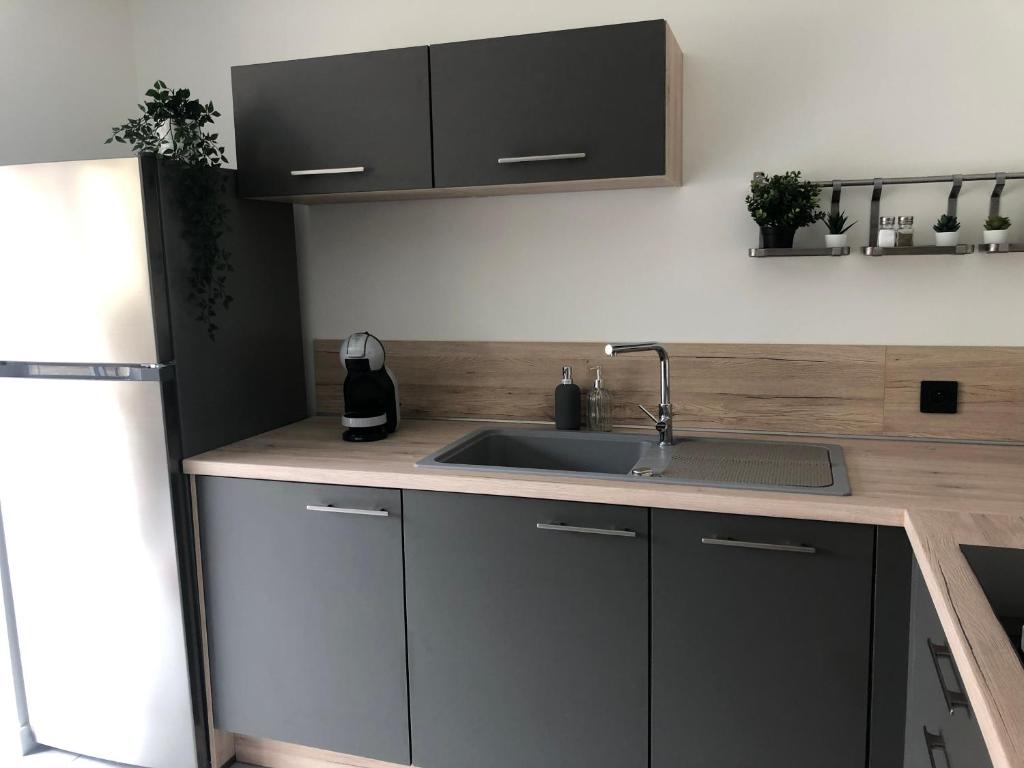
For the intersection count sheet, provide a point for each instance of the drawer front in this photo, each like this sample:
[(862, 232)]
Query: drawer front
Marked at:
[(305, 614), (352, 123), (599, 92), (941, 727), (527, 632), (760, 641)]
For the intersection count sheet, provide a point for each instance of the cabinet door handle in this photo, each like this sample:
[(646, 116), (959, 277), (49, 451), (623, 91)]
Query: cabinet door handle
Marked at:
[(954, 699), (582, 529), (329, 171), (541, 158), (346, 510), (759, 545), (935, 742)]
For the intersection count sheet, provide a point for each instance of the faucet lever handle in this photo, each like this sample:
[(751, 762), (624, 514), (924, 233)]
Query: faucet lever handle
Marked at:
[(650, 415)]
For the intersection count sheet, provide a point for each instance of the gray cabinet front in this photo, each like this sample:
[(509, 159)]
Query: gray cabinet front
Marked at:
[(305, 614), (555, 106), (761, 633), (527, 639), (353, 123), (941, 729)]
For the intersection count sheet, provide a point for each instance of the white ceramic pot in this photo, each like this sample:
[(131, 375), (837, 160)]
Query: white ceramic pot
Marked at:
[(835, 241), (997, 236), (947, 238)]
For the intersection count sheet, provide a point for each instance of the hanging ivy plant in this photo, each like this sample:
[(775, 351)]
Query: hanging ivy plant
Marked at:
[(173, 125)]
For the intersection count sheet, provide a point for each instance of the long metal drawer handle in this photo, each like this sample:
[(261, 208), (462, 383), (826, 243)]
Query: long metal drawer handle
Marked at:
[(329, 171), (541, 158), (936, 742), (582, 529), (759, 545), (346, 510), (954, 699)]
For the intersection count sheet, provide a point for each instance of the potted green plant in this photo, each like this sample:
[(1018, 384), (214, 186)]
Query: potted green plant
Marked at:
[(837, 229), (173, 125), (947, 230), (780, 205), (997, 230)]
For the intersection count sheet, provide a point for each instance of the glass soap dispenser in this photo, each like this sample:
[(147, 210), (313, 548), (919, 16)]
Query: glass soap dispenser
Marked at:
[(599, 406)]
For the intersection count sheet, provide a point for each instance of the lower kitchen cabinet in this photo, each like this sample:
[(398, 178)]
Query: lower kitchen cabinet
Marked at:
[(305, 614), (527, 631), (761, 638), (941, 729)]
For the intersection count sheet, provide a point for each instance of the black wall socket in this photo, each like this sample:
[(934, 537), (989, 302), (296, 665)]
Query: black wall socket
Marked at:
[(939, 396)]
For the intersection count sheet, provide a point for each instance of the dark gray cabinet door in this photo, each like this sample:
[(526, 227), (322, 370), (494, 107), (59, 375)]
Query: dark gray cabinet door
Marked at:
[(305, 614), (598, 91), (527, 647), (759, 657), (328, 116), (937, 704)]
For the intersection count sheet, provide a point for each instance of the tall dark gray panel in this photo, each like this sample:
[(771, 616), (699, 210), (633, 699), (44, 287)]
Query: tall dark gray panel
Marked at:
[(361, 110), (527, 647), (599, 91), (893, 559), (305, 614), (250, 378), (759, 657)]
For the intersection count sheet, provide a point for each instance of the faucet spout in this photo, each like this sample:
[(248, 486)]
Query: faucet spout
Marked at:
[(663, 422)]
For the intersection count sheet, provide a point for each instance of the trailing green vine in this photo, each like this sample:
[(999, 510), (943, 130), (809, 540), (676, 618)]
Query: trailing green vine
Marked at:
[(172, 125)]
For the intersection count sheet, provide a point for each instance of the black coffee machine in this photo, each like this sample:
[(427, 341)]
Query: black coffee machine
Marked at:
[(371, 393)]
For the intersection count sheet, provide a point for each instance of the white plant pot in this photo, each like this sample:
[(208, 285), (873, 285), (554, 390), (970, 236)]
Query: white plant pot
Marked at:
[(947, 238), (996, 236), (835, 241)]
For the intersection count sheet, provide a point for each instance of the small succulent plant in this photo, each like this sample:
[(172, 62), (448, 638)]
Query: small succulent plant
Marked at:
[(997, 222), (836, 223), (946, 223)]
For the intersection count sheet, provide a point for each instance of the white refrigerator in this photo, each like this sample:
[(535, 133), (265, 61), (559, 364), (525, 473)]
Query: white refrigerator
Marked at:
[(96, 412)]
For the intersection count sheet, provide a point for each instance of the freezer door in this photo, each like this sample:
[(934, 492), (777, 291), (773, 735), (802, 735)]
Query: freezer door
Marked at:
[(74, 276), (86, 505)]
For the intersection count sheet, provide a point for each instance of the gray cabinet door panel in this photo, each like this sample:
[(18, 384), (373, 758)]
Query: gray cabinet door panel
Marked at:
[(926, 703), (305, 614), (361, 109), (759, 657), (893, 561), (527, 647), (599, 91)]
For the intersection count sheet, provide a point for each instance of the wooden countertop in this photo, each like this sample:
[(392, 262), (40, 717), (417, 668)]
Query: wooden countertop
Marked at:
[(944, 494)]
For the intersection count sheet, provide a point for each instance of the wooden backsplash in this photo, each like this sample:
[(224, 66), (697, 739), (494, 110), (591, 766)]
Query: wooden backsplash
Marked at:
[(829, 389)]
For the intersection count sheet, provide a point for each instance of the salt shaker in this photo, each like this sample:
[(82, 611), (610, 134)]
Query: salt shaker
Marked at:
[(886, 231)]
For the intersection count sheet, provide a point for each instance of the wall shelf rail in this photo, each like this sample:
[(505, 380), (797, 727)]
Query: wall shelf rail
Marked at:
[(877, 184), (1001, 247), (767, 253), (912, 250)]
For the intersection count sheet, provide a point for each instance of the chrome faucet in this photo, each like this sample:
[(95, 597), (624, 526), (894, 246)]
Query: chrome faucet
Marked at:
[(663, 421)]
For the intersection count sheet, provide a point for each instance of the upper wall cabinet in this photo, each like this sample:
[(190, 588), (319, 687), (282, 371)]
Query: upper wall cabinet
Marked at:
[(337, 124), (594, 108), (579, 106)]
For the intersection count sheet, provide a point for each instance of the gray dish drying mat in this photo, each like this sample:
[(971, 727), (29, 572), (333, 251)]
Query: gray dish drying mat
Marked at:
[(777, 464)]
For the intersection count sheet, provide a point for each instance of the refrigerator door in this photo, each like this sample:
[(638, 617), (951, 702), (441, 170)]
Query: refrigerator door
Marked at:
[(86, 504), (73, 265)]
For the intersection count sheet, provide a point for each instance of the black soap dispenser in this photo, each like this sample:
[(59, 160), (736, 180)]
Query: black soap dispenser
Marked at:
[(567, 402)]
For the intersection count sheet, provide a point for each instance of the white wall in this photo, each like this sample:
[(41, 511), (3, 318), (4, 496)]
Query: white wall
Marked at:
[(67, 74), (875, 87)]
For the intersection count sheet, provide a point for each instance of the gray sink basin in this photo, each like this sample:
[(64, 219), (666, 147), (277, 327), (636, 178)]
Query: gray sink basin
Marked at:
[(717, 462), (549, 450)]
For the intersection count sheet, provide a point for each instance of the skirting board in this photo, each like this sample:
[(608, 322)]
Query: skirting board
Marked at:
[(267, 753), (800, 388)]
